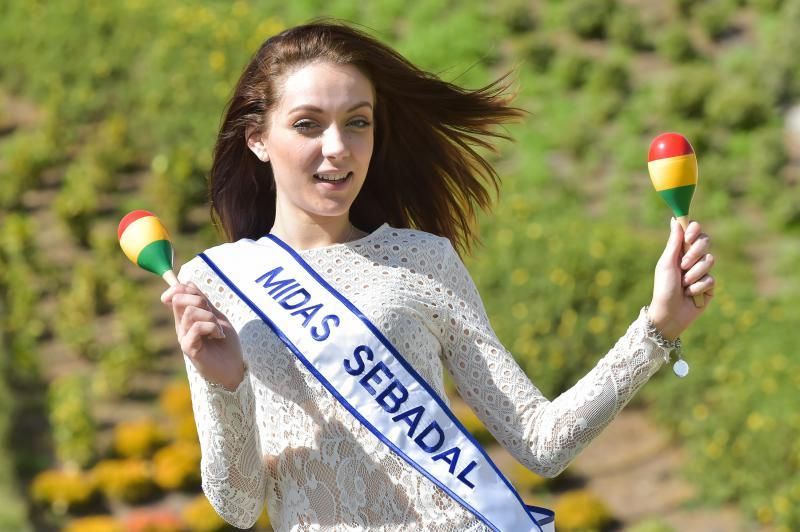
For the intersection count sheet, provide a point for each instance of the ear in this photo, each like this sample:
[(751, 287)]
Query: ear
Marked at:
[(255, 142)]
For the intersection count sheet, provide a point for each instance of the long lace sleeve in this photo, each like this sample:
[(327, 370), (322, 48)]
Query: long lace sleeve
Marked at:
[(543, 435), (233, 477)]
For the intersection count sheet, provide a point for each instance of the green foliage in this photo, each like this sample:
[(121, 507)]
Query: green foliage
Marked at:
[(675, 43), (715, 17), (71, 421), (589, 18), (626, 28), (736, 106)]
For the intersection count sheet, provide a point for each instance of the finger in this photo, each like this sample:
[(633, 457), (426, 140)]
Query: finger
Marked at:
[(700, 268), (693, 230), (698, 249), (195, 314), (700, 286), (193, 341), (182, 301), (673, 248)]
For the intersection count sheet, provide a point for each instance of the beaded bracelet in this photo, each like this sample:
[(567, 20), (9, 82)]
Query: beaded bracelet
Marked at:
[(680, 367)]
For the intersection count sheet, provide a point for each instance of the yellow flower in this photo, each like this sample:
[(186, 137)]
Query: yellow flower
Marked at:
[(519, 276), (95, 523), (603, 278), (597, 325), (534, 231), (216, 60), (700, 412), (581, 510), (597, 249)]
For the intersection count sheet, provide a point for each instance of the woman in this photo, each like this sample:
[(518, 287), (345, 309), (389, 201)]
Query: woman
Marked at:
[(336, 147)]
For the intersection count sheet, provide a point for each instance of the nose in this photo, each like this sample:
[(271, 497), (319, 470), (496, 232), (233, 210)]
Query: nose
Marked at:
[(334, 144)]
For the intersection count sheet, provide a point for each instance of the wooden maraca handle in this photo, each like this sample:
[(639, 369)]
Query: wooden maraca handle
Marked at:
[(170, 277), (699, 299)]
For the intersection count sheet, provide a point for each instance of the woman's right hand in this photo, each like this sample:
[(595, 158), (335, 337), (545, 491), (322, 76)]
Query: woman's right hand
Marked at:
[(205, 335)]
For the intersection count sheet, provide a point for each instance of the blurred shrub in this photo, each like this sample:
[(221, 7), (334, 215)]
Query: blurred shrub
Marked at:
[(589, 18), (737, 106), (610, 76), (581, 510), (152, 521), (21, 286), (95, 523), (63, 490), (538, 50), (517, 16), (200, 516), (177, 466), (675, 43), (571, 67), (686, 90), (651, 525), (71, 420), (137, 439), (129, 480), (24, 156), (625, 28), (715, 17), (76, 313)]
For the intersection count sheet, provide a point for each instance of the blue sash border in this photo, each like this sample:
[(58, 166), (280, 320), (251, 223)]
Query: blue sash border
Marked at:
[(390, 347)]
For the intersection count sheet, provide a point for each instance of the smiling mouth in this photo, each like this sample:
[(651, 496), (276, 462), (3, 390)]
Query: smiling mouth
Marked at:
[(333, 178)]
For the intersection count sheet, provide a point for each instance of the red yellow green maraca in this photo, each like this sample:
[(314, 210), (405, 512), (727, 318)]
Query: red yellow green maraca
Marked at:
[(673, 170), (146, 243)]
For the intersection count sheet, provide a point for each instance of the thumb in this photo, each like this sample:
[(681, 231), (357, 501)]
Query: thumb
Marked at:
[(672, 252)]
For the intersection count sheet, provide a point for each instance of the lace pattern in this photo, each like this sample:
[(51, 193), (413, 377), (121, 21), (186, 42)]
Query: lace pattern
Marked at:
[(282, 438)]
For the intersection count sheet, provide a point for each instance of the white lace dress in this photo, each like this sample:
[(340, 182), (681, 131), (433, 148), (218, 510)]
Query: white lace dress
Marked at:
[(284, 439)]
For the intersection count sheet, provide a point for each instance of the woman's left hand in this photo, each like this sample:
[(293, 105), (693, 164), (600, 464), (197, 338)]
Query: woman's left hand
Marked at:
[(680, 276)]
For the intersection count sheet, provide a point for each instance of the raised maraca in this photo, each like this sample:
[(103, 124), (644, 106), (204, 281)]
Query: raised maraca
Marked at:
[(146, 243), (673, 171)]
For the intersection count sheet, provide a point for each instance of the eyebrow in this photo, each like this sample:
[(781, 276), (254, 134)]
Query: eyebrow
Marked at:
[(315, 109)]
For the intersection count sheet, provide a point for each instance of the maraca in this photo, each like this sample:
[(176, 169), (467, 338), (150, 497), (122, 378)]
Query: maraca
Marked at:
[(673, 171), (146, 243)]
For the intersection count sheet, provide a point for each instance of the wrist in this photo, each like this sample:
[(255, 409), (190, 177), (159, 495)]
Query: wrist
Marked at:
[(233, 383), (661, 322)]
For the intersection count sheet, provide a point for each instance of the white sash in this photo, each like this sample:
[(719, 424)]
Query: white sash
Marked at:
[(370, 378)]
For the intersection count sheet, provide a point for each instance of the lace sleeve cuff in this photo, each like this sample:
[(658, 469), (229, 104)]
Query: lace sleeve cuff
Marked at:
[(226, 406), (664, 346)]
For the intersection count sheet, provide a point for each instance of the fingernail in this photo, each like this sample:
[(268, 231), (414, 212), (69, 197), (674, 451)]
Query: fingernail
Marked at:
[(221, 333)]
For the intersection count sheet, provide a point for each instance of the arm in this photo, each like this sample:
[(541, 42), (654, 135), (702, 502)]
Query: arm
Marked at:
[(233, 477), (546, 435)]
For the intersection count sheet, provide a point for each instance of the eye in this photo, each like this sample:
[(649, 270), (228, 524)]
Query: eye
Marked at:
[(304, 125), (360, 123)]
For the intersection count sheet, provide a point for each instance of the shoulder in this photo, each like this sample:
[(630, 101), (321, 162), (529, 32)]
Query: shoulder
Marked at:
[(197, 268), (415, 241)]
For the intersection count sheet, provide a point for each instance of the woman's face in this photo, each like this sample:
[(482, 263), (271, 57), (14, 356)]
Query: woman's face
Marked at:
[(319, 140)]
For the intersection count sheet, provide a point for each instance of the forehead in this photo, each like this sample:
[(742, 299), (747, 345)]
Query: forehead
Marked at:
[(325, 85)]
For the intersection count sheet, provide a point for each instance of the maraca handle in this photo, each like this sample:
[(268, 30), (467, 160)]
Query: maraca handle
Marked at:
[(170, 278), (699, 299)]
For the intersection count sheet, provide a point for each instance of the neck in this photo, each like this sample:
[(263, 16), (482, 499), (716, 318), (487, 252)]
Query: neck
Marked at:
[(308, 233)]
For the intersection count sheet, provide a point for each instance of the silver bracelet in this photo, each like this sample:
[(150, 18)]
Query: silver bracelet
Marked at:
[(680, 367)]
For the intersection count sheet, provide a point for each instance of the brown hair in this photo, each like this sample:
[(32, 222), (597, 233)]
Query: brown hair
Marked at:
[(424, 172)]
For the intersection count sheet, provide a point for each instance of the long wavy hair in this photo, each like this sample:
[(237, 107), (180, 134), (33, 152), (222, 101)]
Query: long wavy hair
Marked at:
[(424, 173)]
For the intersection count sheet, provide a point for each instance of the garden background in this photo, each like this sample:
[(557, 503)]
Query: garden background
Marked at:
[(110, 106)]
